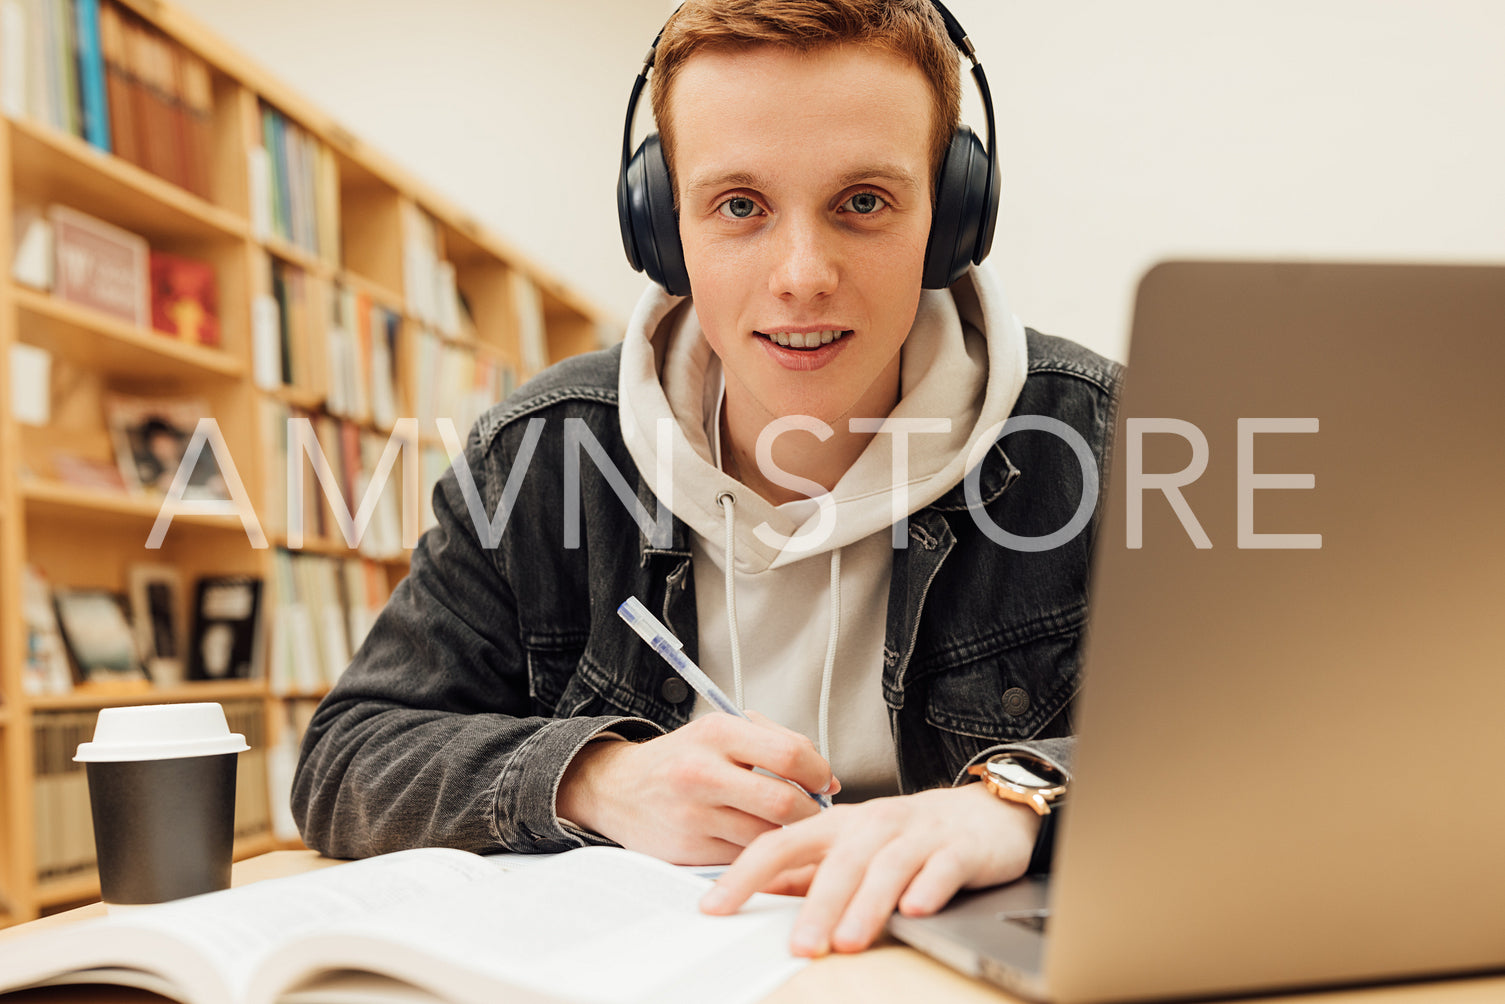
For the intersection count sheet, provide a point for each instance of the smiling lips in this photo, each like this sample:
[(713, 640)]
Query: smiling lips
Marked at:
[(804, 339)]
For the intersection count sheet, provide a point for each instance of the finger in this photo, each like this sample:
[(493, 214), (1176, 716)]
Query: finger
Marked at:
[(887, 876), (758, 718), (791, 882), (767, 796), (707, 851), (777, 749), (738, 828), (765, 858), (943, 874), (837, 879)]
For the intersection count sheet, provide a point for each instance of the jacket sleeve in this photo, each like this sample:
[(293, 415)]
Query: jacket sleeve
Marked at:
[(427, 739)]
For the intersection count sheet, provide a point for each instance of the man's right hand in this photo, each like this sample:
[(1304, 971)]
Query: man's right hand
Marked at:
[(690, 797)]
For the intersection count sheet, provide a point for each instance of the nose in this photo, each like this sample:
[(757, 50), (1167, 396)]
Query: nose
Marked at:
[(805, 262)]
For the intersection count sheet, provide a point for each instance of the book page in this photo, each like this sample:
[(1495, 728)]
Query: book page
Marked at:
[(236, 929), (597, 924), (222, 937)]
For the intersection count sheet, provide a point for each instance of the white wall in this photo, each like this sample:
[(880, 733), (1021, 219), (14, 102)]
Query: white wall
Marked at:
[(1131, 131)]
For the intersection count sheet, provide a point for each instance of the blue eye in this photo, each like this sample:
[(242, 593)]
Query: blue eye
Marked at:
[(864, 203), (738, 207)]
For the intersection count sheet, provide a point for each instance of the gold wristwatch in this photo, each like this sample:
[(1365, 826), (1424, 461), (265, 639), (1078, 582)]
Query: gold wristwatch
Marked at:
[(1021, 777)]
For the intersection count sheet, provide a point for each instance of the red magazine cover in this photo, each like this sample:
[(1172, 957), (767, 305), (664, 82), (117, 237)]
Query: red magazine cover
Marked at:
[(185, 300)]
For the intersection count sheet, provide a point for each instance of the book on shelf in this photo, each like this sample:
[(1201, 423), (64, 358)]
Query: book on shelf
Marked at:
[(14, 58), (301, 186), (227, 632), (63, 823), (290, 720), (157, 615), (94, 112), (185, 298), (30, 384), (532, 337), (64, 52), (598, 924), (99, 265), (151, 436), (300, 330), (88, 472), (456, 382), (45, 668), (322, 608), (98, 635), (33, 257), (120, 84), (253, 792), (362, 345)]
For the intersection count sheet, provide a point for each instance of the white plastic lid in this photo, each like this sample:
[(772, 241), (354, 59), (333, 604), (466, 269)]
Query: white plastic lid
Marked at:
[(160, 732)]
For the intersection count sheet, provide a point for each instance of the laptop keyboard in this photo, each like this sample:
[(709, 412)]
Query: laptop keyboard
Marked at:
[(1035, 920)]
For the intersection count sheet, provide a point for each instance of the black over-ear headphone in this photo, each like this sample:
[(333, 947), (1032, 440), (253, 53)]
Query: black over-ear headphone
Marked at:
[(961, 226)]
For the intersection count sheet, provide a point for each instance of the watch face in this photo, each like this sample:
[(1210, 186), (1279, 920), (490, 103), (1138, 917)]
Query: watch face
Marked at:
[(1034, 774)]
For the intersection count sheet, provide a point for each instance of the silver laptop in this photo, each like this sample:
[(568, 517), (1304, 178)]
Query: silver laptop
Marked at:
[(1291, 770)]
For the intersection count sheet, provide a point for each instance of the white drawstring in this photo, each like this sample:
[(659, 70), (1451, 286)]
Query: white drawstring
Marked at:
[(826, 673), (728, 503)]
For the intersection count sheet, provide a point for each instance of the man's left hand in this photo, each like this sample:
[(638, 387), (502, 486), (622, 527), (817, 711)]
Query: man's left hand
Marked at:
[(856, 863)]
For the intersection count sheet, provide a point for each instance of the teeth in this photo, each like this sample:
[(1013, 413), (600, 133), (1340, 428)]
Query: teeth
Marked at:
[(806, 339)]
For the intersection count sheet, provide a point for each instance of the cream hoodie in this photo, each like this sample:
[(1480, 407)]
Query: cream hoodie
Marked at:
[(796, 631)]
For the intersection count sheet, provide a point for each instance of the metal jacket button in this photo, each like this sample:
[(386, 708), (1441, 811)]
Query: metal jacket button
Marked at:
[(1015, 702), (674, 690)]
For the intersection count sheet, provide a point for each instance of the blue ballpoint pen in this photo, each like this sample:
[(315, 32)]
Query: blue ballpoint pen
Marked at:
[(653, 631)]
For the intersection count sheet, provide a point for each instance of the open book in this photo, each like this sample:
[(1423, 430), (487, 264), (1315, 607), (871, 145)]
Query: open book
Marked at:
[(599, 924)]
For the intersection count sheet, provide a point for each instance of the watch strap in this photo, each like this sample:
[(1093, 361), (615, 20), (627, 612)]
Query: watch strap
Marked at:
[(1045, 840)]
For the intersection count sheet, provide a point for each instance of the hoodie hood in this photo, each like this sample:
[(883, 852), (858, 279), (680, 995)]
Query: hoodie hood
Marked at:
[(964, 360)]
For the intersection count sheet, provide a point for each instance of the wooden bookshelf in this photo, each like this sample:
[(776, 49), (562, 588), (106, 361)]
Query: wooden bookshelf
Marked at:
[(349, 221)]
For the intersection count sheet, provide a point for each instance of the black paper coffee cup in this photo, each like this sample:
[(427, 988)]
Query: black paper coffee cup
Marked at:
[(162, 794)]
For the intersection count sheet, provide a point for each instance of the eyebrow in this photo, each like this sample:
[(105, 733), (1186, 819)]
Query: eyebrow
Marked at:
[(743, 179)]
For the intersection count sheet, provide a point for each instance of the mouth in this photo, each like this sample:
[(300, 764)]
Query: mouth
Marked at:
[(804, 340)]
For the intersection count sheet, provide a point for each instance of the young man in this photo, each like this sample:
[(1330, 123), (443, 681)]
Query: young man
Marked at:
[(823, 432)]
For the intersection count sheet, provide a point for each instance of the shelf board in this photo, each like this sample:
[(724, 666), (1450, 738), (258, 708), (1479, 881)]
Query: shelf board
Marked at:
[(70, 889), (297, 256), (333, 548), (298, 397), (379, 294), (207, 690), (301, 695), (56, 167), (85, 886), (44, 497), (100, 340)]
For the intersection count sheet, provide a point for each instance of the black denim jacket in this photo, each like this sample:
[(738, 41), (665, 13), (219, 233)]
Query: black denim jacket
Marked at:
[(491, 667)]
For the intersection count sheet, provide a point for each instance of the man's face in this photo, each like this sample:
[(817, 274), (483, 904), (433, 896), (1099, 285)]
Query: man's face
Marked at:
[(804, 207)]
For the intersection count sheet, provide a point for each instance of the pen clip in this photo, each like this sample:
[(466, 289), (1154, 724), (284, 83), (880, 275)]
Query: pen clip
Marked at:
[(648, 627)]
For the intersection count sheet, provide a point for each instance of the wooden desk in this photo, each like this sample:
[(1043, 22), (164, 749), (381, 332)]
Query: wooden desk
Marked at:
[(888, 972)]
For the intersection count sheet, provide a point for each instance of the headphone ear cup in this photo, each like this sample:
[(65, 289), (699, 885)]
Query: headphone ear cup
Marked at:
[(966, 207), (650, 228)]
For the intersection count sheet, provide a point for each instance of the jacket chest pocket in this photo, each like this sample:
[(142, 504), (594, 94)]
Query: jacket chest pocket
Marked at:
[(1022, 690)]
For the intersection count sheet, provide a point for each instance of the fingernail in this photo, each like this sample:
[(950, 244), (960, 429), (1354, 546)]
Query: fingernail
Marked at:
[(830, 787), (809, 941), (848, 933), (714, 899)]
